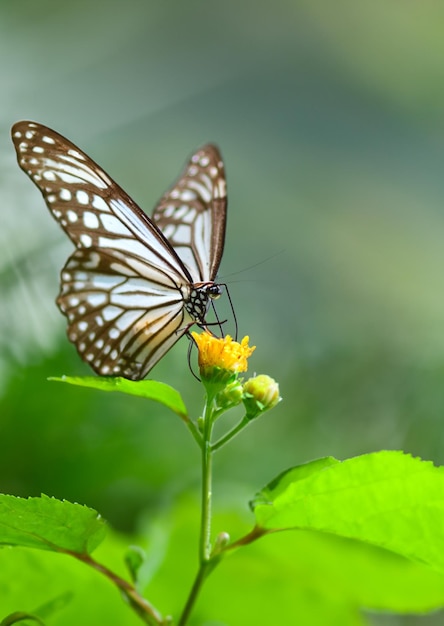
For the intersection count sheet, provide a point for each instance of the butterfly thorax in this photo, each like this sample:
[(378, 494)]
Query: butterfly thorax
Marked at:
[(199, 299)]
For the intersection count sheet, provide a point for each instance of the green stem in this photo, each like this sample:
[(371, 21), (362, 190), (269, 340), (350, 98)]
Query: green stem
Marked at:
[(205, 563), (206, 499), (207, 567), (194, 431), (195, 589), (230, 434)]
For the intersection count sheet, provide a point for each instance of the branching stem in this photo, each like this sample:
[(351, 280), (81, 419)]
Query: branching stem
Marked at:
[(230, 434), (143, 608)]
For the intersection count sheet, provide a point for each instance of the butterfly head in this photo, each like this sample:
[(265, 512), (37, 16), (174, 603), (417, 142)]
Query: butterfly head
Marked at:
[(214, 291), (200, 296)]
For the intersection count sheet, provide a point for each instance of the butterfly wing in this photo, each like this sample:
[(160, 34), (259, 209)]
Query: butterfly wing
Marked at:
[(123, 289), (192, 214), (121, 323)]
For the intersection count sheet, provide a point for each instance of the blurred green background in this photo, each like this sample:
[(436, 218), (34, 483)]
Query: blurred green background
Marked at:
[(330, 118)]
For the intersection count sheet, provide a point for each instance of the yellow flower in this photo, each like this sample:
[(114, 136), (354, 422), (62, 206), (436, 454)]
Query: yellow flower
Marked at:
[(224, 353), (223, 358)]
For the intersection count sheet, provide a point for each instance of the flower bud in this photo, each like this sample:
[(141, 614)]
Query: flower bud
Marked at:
[(230, 396), (222, 540), (261, 393)]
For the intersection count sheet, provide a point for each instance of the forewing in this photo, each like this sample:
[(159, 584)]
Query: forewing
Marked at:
[(192, 214), (91, 208), (120, 323)]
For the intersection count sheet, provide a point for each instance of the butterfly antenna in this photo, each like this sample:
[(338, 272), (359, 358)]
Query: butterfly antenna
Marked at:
[(250, 267), (236, 328), (217, 322), (190, 349)]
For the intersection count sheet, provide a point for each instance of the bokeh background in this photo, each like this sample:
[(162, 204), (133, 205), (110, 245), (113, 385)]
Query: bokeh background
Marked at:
[(330, 118)]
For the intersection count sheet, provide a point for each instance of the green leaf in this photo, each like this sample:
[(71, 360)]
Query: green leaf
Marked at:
[(306, 578), (389, 499), (279, 484), (49, 524), (151, 389)]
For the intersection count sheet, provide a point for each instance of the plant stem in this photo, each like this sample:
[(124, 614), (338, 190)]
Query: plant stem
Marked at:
[(143, 608), (194, 431), (205, 562), (256, 533), (195, 589), (230, 434), (205, 523)]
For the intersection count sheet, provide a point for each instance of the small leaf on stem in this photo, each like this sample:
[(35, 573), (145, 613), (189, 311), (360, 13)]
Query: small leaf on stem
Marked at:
[(150, 389)]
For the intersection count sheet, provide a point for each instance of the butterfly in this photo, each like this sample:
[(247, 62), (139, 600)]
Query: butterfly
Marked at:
[(134, 285)]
